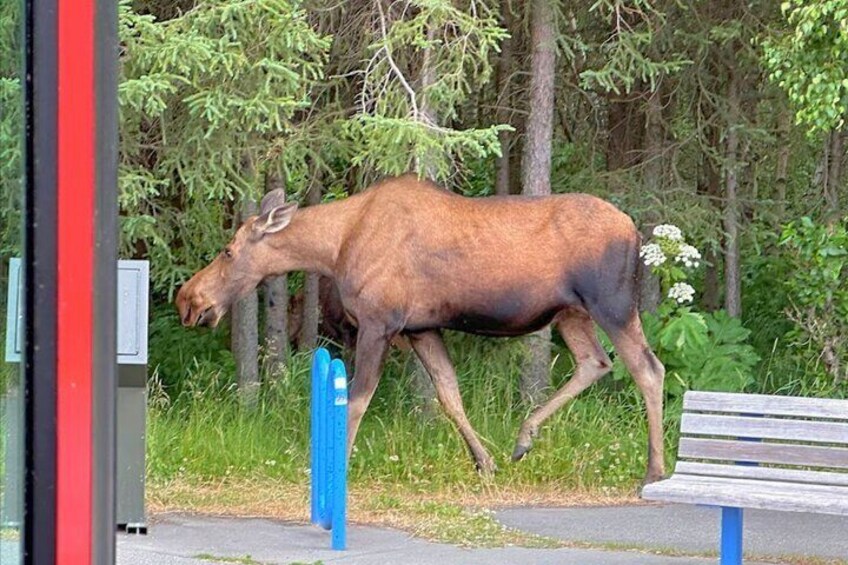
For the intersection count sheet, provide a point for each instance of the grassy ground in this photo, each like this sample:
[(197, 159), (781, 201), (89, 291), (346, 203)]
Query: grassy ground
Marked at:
[(409, 469), (596, 444)]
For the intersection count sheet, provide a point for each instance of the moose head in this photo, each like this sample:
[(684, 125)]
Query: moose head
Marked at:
[(239, 267)]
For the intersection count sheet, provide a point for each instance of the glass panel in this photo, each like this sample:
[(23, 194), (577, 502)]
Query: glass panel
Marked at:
[(11, 206)]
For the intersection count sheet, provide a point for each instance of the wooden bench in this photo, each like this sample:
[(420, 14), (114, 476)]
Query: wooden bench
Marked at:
[(756, 451)]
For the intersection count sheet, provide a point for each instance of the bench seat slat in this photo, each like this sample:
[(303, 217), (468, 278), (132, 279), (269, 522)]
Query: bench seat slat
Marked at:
[(761, 473), (767, 428), (765, 404), (743, 493), (780, 453)]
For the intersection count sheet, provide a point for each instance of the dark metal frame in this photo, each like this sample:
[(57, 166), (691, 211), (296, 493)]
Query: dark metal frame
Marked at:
[(41, 245), (106, 50), (41, 282)]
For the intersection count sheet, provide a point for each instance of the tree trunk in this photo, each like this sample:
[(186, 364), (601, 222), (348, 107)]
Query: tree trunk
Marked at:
[(245, 333), (732, 286), (276, 305), (536, 172), (834, 174), (652, 172), (422, 384), (652, 168), (311, 292), (3, 284), (504, 104), (709, 183), (625, 133), (781, 171), (711, 300)]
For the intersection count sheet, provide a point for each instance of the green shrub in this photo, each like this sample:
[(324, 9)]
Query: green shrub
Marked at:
[(816, 285), (700, 351), (179, 356)]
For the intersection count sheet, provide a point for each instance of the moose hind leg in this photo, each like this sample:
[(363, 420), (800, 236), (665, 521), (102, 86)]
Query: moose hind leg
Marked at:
[(649, 374), (578, 331), (433, 354)]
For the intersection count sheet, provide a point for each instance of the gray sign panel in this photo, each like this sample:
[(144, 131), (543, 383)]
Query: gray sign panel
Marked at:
[(14, 312), (133, 284)]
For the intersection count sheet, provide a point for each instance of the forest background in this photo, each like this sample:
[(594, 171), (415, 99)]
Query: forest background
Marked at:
[(723, 118)]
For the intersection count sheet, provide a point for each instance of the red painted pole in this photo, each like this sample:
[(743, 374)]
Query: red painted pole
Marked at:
[(75, 249)]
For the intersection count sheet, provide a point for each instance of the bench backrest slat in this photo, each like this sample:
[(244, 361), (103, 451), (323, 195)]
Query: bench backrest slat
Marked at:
[(767, 405), (762, 473), (764, 428), (749, 451), (781, 438)]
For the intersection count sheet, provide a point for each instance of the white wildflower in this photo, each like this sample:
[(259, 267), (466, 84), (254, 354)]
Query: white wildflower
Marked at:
[(652, 254), (668, 231), (688, 255), (681, 292), (394, 458)]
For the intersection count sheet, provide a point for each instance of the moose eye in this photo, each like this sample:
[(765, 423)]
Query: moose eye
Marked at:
[(228, 253)]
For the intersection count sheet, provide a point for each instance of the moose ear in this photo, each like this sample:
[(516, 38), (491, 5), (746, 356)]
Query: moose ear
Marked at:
[(275, 219), (272, 200)]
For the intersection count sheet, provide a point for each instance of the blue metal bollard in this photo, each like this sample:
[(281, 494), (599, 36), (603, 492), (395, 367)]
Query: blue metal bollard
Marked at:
[(338, 448), (328, 411), (320, 372)]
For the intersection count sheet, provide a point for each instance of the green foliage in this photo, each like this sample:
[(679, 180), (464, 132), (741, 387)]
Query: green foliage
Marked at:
[(809, 60), (11, 130), (393, 145), (11, 167), (400, 118), (700, 351), (179, 358), (630, 54), (204, 99), (816, 258)]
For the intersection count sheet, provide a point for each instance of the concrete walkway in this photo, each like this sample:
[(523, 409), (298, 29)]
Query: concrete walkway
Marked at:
[(193, 540), (636, 532), (688, 529)]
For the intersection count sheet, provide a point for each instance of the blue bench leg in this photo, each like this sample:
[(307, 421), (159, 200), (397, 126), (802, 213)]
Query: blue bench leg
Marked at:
[(731, 536)]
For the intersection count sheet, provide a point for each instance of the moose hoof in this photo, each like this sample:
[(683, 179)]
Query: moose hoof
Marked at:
[(520, 451), (653, 477), (486, 467), (649, 478), (524, 443)]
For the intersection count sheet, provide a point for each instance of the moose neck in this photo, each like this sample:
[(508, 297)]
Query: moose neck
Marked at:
[(311, 242)]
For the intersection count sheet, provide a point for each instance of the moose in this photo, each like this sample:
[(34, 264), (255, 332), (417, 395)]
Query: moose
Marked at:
[(411, 259)]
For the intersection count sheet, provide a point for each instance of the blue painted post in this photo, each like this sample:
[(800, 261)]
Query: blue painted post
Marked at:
[(320, 372), (731, 536), (325, 449), (328, 413), (338, 443)]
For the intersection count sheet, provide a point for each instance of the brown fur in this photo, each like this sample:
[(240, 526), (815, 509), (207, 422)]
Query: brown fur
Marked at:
[(410, 259), (333, 324)]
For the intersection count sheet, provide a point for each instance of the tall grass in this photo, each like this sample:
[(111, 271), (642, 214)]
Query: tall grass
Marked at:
[(597, 442)]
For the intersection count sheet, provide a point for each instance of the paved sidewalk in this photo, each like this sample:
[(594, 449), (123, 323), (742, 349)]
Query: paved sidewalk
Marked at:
[(182, 540), (637, 532), (692, 529)]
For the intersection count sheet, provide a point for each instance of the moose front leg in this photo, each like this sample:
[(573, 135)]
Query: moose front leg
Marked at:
[(371, 348), (434, 356)]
